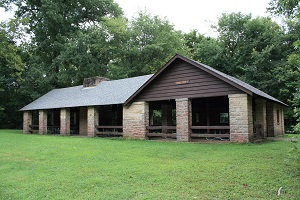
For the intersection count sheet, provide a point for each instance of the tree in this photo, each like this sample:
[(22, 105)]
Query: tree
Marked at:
[(11, 68), (291, 71), (289, 8), (54, 26), (151, 42), (231, 29)]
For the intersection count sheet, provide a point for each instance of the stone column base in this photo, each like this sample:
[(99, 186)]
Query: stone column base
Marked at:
[(183, 119), (27, 121), (135, 120), (241, 138)]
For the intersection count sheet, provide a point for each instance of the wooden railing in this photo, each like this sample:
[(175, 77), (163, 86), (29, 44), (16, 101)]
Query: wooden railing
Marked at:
[(50, 129), (109, 130), (164, 135), (221, 136)]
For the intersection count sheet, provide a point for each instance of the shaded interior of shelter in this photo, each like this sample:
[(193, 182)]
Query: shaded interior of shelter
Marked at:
[(53, 121), (210, 119), (109, 123)]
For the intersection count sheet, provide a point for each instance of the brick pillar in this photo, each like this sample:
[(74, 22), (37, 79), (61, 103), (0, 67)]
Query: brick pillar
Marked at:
[(166, 116), (65, 121), (83, 121), (183, 119), (27, 121), (261, 117), (241, 118), (135, 120), (42, 122), (92, 120)]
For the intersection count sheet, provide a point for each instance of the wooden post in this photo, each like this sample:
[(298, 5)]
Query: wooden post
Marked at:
[(92, 120)]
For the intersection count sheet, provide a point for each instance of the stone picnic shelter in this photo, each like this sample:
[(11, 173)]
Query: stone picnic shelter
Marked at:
[(184, 100)]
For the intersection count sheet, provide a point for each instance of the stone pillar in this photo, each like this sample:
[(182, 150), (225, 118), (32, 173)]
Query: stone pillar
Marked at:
[(135, 120), (183, 119), (276, 119), (27, 121), (241, 118), (166, 116), (83, 121), (42, 122), (65, 121), (92, 120), (261, 117)]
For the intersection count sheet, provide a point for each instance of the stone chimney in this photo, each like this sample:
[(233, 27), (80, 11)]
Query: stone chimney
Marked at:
[(93, 81)]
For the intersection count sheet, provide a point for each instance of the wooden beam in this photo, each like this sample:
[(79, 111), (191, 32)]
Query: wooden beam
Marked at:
[(166, 135), (210, 127), (210, 135), (108, 126), (110, 133), (161, 127)]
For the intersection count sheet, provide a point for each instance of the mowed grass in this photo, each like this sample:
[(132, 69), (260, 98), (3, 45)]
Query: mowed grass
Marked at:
[(56, 167)]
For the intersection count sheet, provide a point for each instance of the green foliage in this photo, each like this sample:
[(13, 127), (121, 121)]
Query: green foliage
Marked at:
[(204, 49), (58, 39), (296, 104), (151, 41), (47, 167), (11, 68), (288, 8)]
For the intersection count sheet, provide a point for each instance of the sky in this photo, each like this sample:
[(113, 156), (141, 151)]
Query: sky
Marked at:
[(188, 14), (194, 14)]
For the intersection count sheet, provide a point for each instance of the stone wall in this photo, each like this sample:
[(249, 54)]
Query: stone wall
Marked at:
[(241, 118), (183, 119), (42, 122), (27, 121), (135, 120), (275, 118), (65, 121), (92, 120)]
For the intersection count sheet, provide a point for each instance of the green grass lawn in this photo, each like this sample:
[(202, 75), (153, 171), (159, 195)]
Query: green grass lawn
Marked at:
[(56, 167)]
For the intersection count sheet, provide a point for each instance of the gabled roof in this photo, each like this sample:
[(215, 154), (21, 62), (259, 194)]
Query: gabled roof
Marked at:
[(123, 91), (226, 78), (105, 93)]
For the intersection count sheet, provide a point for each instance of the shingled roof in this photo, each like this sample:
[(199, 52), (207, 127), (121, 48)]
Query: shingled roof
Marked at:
[(105, 93)]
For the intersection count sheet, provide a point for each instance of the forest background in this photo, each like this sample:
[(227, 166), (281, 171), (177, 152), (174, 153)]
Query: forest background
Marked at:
[(53, 44)]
